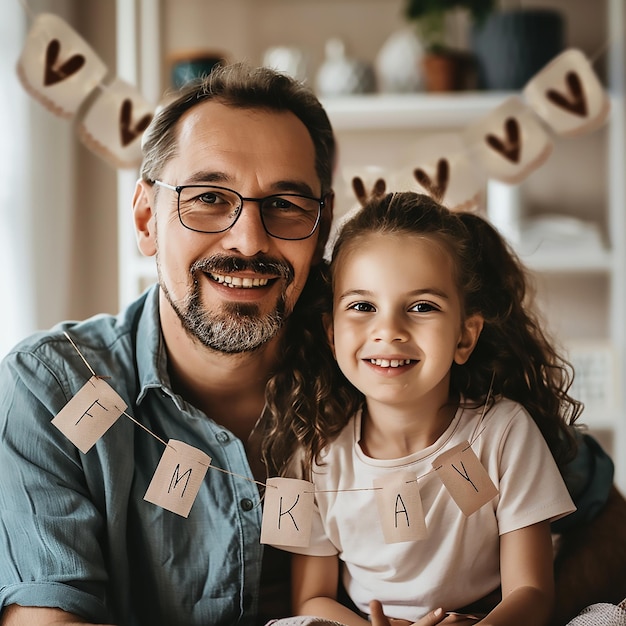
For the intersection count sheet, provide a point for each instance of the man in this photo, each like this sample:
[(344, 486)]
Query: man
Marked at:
[(235, 203)]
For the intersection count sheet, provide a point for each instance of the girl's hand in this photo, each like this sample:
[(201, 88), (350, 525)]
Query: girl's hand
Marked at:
[(378, 618), (461, 620)]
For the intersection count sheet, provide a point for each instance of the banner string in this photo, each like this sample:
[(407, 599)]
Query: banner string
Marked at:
[(266, 485), (165, 443)]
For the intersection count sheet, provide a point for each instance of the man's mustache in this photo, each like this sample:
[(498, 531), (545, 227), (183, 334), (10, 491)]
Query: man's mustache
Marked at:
[(260, 264)]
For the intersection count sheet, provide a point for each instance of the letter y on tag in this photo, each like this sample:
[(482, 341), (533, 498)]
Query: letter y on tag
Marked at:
[(400, 507), (287, 512), (465, 478), (89, 414)]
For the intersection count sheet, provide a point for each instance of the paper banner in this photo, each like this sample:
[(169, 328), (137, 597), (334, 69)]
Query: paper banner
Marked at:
[(89, 414), (510, 142), (114, 124), (400, 507), (178, 477), (440, 168), (465, 478), (287, 512), (567, 94), (57, 66)]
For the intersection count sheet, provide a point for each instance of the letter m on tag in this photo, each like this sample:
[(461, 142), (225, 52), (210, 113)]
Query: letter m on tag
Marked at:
[(178, 477)]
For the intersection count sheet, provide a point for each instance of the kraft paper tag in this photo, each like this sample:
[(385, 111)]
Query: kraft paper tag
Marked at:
[(287, 512), (90, 413), (400, 507), (465, 478), (178, 477)]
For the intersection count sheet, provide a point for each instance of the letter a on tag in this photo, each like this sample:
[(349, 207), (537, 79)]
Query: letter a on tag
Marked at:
[(89, 414), (287, 512), (400, 507), (178, 477), (465, 478)]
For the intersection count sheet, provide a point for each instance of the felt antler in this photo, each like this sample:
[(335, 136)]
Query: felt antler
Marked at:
[(361, 193)]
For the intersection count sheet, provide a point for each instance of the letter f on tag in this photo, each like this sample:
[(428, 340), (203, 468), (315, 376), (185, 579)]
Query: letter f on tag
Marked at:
[(89, 414), (465, 478), (287, 512)]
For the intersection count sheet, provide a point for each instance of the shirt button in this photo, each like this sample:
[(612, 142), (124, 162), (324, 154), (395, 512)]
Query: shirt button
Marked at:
[(246, 504), (223, 437)]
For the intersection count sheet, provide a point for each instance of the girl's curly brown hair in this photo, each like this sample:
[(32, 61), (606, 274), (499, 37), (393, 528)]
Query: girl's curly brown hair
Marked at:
[(310, 401)]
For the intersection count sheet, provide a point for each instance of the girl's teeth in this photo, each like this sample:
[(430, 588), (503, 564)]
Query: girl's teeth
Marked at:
[(390, 362)]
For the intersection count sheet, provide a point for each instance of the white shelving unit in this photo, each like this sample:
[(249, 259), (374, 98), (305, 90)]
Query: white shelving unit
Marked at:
[(568, 277)]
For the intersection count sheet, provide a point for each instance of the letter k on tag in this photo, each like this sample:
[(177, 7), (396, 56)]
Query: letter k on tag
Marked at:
[(465, 478), (287, 512), (178, 477), (400, 507), (89, 414)]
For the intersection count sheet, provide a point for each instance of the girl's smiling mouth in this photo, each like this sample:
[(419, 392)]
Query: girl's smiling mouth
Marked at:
[(391, 362)]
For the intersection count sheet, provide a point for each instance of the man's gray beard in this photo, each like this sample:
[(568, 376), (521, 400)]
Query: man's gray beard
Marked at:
[(241, 328)]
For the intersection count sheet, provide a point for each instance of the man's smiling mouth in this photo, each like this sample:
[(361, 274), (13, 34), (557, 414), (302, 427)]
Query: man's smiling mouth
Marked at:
[(239, 282)]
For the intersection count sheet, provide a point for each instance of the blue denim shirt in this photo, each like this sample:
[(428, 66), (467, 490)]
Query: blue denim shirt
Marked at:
[(75, 531)]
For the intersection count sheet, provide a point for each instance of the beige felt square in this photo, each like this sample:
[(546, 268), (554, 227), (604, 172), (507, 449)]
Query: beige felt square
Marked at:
[(287, 512), (510, 142), (439, 166), (57, 66), (115, 122), (90, 413), (567, 94), (400, 507), (178, 477), (465, 478)]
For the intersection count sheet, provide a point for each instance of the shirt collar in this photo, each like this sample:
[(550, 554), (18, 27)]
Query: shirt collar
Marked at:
[(151, 355)]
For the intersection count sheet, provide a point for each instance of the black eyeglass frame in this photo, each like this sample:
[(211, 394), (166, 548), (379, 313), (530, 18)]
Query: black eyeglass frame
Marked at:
[(179, 188)]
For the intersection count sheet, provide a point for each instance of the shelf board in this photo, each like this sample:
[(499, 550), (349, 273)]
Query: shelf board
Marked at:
[(413, 110), (566, 260)]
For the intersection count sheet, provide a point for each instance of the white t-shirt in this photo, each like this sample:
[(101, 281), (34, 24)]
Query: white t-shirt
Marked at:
[(458, 562)]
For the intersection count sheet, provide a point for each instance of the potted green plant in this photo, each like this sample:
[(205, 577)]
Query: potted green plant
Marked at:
[(443, 66)]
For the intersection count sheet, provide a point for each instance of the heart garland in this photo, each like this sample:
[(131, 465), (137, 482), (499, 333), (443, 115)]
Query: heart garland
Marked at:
[(60, 70), (508, 143)]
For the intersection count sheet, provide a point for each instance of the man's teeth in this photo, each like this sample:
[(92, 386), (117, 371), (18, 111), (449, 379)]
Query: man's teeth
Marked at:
[(239, 282), (390, 362)]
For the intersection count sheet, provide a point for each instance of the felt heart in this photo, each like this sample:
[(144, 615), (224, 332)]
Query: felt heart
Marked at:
[(575, 101), (129, 133), (52, 74), (511, 147), (360, 192), (435, 190)]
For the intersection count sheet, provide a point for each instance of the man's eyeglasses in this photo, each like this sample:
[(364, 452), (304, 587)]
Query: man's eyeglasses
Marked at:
[(213, 209)]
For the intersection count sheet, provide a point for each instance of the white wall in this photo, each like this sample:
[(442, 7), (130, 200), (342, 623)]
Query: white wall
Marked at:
[(36, 197)]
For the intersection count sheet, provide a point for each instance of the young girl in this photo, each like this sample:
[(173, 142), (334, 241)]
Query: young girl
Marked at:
[(431, 329)]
